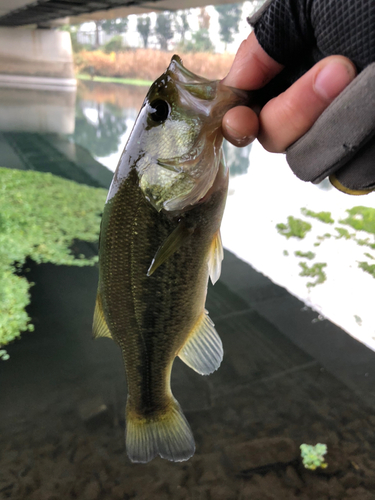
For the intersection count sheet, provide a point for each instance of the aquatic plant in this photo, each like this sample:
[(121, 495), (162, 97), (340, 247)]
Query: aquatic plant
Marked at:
[(295, 227), (306, 255), (365, 242), (322, 216), (358, 319), (313, 456), (368, 268), (40, 216), (361, 219), (315, 270), (343, 233)]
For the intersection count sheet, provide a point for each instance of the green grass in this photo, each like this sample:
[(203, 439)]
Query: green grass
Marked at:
[(40, 216), (110, 79), (296, 228)]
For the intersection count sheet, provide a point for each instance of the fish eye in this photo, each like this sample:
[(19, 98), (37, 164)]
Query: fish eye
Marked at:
[(161, 110)]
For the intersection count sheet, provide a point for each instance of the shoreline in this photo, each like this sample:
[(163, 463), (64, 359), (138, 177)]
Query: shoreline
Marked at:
[(110, 79)]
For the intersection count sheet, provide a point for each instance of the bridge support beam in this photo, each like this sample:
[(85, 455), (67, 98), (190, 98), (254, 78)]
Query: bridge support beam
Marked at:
[(36, 58)]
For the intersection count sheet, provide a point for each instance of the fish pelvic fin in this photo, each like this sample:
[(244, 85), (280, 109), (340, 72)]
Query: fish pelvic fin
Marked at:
[(215, 258), (100, 327), (203, 351), (167, 435)]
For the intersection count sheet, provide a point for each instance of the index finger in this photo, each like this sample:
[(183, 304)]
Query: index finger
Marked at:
[(252, 67)]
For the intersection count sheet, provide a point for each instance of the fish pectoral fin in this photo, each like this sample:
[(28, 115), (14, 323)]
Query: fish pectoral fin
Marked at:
[(174, 241), (215, 258), (172, 165), (100, 327), (203, 351)]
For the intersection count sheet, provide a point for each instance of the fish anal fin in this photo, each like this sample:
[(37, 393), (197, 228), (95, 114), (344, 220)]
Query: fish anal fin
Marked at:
[(203, 351), (168, 435), (100, 327), (215, 258), (174, 241)]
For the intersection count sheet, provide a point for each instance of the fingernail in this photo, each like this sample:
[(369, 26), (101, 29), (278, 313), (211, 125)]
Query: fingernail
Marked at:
[(332, 79), (238, 139)]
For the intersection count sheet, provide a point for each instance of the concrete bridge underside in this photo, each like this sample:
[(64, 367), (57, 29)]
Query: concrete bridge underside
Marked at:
[(33, 53), (47, 13)]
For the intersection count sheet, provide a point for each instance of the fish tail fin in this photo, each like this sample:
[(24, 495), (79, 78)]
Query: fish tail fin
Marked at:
[(168, 435)]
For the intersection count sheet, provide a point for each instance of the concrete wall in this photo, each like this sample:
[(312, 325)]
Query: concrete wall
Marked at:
[(36, 54)]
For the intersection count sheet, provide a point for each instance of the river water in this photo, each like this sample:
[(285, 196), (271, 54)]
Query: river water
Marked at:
[(263, 192), (282, 383), (96, 122)]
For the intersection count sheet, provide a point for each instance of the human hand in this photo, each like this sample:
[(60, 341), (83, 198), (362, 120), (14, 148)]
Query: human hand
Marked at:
[(287, 117), (325, 119)]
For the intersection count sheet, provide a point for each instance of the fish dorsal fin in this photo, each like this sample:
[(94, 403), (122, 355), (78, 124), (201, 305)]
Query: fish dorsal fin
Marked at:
[(215, 258), (203, 351), (100, 327), (174, 241)]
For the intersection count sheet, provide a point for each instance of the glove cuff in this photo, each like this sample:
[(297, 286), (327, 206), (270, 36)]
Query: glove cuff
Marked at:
[(338, 136)]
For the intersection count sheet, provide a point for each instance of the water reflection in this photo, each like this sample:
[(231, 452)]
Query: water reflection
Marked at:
[(28, 110), (105, 115), (99, 127), (66, 134), (35, 134), (237, 158)]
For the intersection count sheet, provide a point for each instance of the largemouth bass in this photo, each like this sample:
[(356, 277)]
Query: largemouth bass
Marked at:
[(159, 243)]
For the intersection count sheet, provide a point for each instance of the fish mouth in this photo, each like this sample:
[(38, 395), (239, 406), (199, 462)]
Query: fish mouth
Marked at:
[(180, 73)]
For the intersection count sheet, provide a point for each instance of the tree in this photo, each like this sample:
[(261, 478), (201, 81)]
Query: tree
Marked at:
[(163, 29), (229, 17), (204, 19), (144, 28), (111, 27), (200, 42), (104, 137), (73, 30), (182, 24), (115, 26)]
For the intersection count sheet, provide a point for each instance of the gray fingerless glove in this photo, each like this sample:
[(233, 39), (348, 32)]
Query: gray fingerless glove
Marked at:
[(341, 143), (297, 34)]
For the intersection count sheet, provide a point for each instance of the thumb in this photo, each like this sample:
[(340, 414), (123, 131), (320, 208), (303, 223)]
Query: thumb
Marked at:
[(290, 115)]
